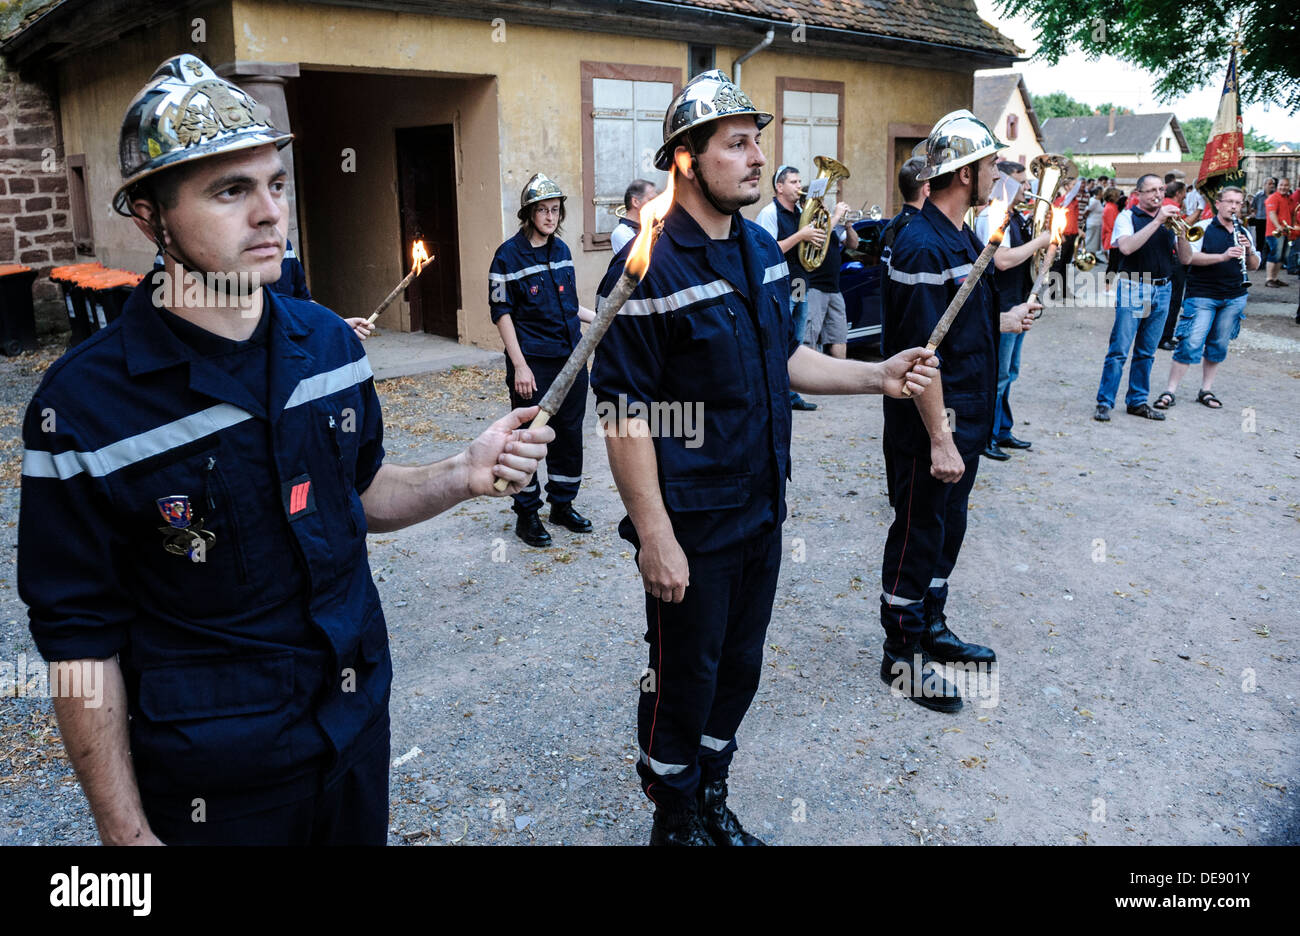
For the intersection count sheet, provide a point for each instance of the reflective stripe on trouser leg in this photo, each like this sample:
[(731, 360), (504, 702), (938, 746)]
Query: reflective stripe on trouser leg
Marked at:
[(923, 542), (741, 665), (686, 652), (564, 455)]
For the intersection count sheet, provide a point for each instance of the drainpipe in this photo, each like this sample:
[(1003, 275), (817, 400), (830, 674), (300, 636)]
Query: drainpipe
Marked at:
[(735, 66)]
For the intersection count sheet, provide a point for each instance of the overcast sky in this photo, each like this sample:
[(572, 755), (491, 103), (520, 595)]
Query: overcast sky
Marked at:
[(1108, 79)]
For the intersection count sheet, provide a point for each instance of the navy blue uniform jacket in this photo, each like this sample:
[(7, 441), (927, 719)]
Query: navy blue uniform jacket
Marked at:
[(267, 659), (535, 286), (709, 325), (927, 266)]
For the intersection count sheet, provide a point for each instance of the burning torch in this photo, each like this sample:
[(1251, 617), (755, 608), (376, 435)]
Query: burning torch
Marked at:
[(638, 261), (997, 209), (419, 257)]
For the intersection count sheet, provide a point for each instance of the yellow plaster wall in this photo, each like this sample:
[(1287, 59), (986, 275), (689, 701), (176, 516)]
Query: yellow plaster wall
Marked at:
[(94, 91)]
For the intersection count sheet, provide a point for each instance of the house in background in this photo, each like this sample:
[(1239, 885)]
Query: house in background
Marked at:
[(1002, 101), (1117, 138), (422, 119)]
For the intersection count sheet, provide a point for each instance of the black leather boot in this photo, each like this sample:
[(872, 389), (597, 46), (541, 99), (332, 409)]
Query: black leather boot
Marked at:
[(529, 529), (720, 821), (943, 645), (679, 828), (570, 519), (909, 670)]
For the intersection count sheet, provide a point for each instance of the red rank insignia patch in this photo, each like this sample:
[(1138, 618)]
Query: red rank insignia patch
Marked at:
[(299, 496)]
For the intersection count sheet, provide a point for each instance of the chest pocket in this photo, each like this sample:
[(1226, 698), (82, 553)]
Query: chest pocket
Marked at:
[(211, 577), (337, 424), (710, 347), (531, 292)]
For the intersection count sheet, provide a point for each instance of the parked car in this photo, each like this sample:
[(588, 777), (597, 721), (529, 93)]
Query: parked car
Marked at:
[(860, 279)]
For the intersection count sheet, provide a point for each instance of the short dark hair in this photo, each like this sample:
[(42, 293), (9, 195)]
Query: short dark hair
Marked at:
[(637, 189), (1229, 188), (1273, 179), (1174, 189), (1169, 177), (781, 173), (1143, 178), (1007, 167), (907, 181), (525, 215)]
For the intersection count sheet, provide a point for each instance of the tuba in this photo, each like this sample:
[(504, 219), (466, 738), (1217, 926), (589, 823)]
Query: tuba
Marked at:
[(1055, 175), (810, 255)]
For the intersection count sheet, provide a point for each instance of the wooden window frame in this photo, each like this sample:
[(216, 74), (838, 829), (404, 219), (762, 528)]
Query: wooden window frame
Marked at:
[(83, 230), (1013, 126), (907, 131), (589, 71), (807, 84)]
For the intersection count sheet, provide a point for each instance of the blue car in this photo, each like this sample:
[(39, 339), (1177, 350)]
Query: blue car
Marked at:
[(860, 275)]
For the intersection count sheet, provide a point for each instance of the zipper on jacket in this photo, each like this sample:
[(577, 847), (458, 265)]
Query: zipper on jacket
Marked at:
[(236, 545), (343, 481)]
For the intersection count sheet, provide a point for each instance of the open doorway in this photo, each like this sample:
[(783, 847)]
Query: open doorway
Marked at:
[(426, 193)]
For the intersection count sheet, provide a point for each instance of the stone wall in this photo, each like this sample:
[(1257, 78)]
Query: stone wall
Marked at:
[(35, 220)]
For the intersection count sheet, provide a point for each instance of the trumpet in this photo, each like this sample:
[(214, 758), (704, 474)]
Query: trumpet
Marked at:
[(1182, 228), (857, 214)]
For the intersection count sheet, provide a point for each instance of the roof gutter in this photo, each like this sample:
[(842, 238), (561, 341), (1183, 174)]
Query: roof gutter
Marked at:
[(735, 66)]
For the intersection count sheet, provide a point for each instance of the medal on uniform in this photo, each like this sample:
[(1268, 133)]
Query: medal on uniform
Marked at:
[(184, 535)]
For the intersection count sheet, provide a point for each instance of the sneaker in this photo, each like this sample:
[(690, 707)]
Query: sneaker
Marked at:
[(1102, 414)]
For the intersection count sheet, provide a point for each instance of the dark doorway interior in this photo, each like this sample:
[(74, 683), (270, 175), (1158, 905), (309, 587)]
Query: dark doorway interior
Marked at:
[(426, 193)]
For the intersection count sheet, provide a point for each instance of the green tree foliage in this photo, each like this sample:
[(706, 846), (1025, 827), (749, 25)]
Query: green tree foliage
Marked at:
[(1197, 130), (1058, 104), (1184, 44)]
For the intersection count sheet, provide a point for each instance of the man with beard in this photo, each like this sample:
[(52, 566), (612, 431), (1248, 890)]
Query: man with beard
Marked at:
[(198, 481), (933, 444), (709, 325)]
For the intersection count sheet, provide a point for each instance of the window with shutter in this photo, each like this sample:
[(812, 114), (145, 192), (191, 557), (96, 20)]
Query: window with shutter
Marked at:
[(622, 124), (1013, 126), (810, 115)]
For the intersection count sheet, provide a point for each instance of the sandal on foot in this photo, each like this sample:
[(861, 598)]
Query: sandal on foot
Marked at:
[(1164, 401), (1208, 399)]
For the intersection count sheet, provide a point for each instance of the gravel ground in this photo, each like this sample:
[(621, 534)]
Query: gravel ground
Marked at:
[(1137, 579)]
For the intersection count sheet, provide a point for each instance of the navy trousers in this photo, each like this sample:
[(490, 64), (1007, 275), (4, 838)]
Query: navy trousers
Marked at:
[(706, 658), (923, 542), (350, 808), (564, 455)]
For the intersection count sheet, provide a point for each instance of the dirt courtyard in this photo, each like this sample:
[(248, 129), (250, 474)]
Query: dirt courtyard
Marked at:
[(1137, 579)]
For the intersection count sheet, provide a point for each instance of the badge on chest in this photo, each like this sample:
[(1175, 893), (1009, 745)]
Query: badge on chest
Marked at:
[(184, 535)]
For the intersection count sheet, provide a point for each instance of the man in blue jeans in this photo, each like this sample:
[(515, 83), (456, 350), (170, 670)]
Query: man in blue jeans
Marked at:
[(1216, 297), (1145, 255)]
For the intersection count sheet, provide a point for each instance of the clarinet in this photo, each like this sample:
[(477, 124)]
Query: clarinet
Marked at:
[(1240, 232)]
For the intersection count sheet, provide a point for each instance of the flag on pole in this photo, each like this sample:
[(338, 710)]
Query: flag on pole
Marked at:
[(1227, 144)]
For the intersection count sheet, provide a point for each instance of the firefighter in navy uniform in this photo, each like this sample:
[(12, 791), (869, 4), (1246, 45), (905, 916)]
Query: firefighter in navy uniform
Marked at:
[(198, 481), (709, 326), (533, 298), (933, 455)]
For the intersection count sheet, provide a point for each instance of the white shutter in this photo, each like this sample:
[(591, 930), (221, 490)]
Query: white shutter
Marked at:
[(810, 128), (627, 124)]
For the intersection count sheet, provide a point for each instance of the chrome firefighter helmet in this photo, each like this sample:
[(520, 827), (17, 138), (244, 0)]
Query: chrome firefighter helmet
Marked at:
[(539, 188), (957, 140), (186, 112), (710, 95)]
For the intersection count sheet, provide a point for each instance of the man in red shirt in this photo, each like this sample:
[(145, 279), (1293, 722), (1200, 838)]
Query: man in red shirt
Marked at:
[(1071, 234), (1280, 210)]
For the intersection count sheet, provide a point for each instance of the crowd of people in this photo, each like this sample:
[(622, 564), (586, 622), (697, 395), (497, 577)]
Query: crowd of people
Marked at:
[(245, 637)]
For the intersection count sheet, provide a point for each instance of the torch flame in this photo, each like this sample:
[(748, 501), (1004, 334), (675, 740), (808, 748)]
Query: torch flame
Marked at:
[(1059, 219), (997, 216), (638, 261), (419, 256)]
